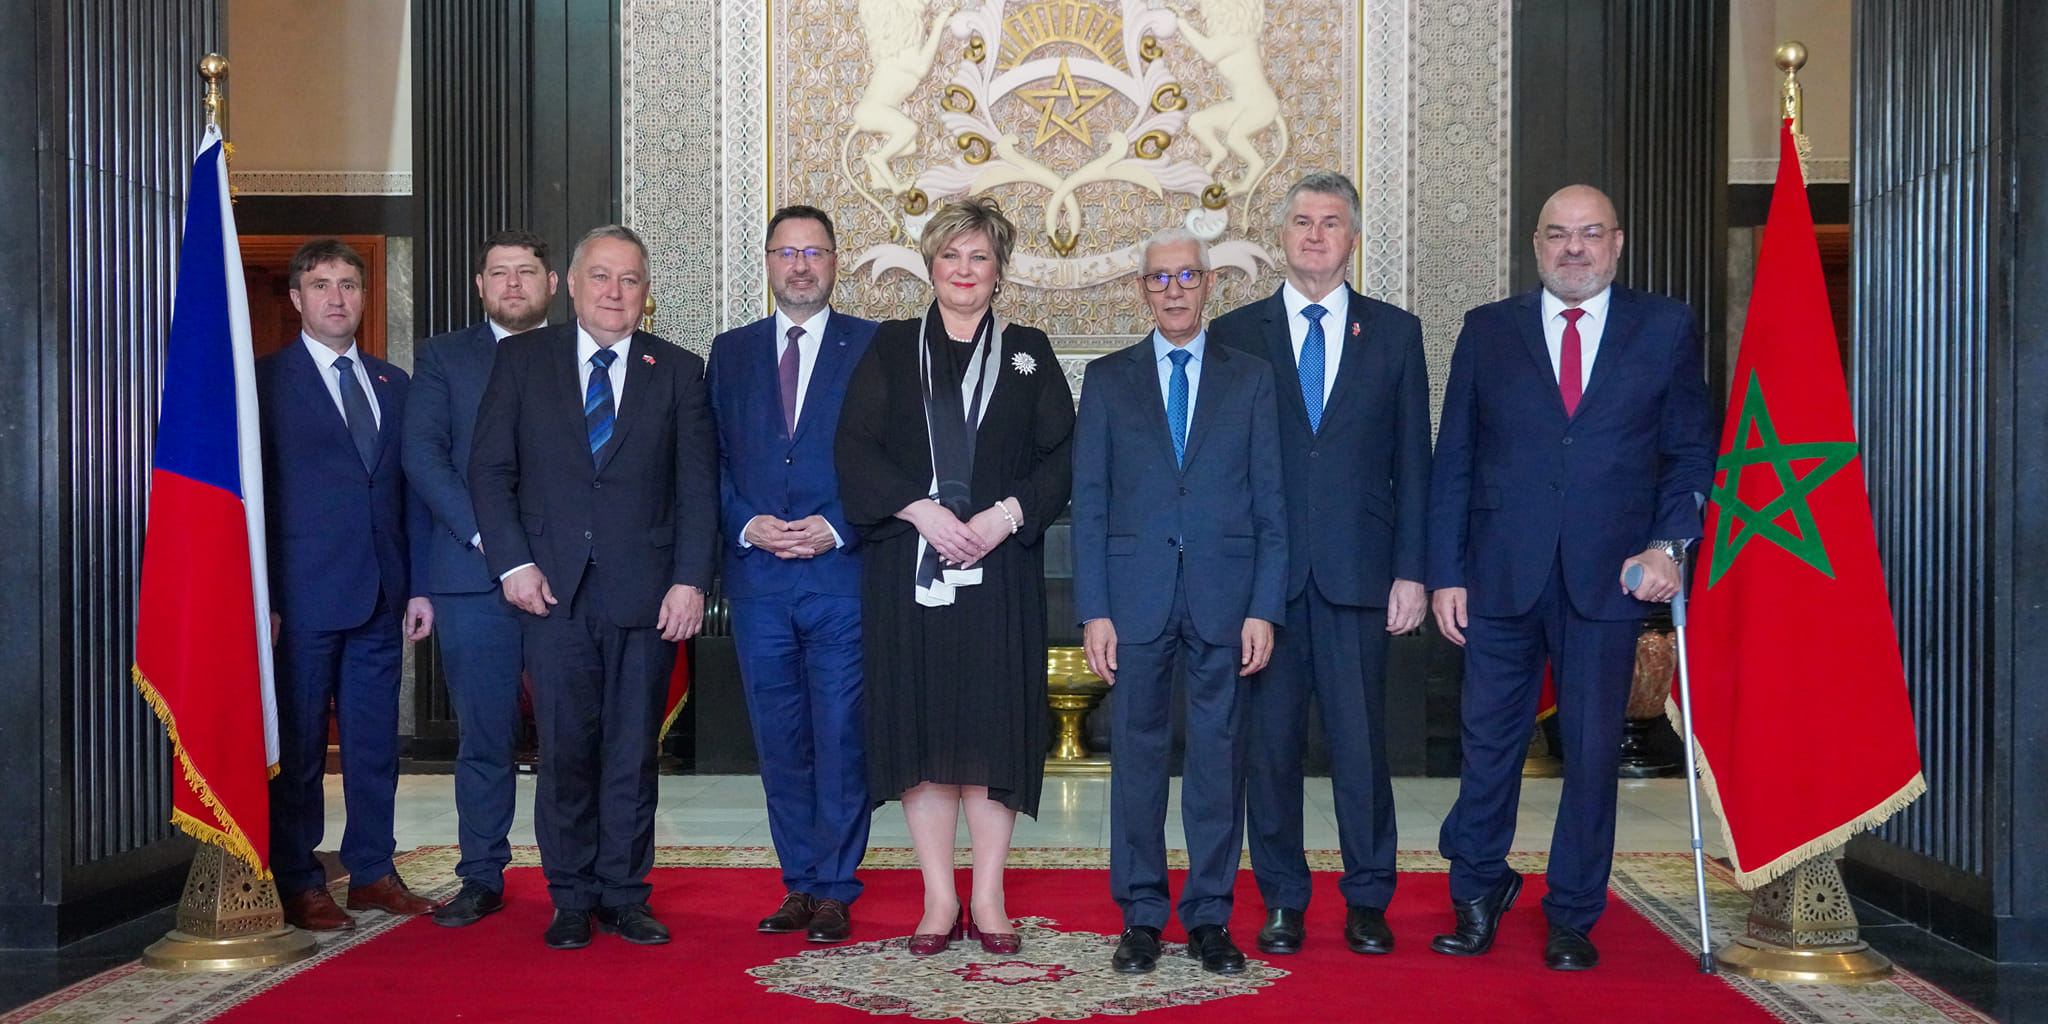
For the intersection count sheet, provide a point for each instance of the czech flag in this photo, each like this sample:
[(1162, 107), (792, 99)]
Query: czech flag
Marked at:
[(202, 634)]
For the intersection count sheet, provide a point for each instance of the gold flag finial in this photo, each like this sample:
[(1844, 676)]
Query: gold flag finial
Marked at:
[(1791, 57), (647, 314), (213, 67)]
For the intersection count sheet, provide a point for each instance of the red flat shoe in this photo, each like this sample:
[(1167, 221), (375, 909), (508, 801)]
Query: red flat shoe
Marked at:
[(932, 943)]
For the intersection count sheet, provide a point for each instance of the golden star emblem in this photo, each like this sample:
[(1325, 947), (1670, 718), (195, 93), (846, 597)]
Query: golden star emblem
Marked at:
[(1079, 102)]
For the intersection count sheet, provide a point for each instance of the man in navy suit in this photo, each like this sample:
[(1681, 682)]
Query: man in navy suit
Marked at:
[(480, 648), (594, 476), (1354, 449), (1180, 553), (1575, 444), (792, 570), (341, 592)]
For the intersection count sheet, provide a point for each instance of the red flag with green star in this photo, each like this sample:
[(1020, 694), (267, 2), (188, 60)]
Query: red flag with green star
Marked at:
[(1801, 717)]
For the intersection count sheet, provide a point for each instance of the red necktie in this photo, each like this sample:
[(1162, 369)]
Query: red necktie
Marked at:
[(1570, 371), (787, 367)]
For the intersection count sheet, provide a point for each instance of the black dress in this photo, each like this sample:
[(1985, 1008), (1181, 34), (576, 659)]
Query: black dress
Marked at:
[(955, 694)]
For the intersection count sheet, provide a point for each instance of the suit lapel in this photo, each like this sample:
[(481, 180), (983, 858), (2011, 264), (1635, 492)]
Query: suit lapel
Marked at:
[(1622, 317), (1529, 319), (559, 357), (1280, 353), (824, 370), (1350, 364), (1142, 368), (313, 393), (640, 378), (387, 407), (1216, 369)]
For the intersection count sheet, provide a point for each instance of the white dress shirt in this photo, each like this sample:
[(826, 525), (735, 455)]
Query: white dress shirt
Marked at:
[(1161, 349), (587, 346), (1338, 302), (806, 350), (324, 358), (499, 332), (1591, 327)]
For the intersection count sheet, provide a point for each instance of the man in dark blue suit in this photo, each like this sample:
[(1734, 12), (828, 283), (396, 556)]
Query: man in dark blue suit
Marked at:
[(480, 648), (341, 593), (1180, 553), (792, 570), (1354, 449), (595, 480), (1575, 443)]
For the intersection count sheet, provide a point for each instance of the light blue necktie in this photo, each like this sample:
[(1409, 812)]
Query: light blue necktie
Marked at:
[(1312, 365), (597, 401), (1177, 403)]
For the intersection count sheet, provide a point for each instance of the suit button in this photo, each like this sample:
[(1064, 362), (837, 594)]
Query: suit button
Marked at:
[(1315, 455), (1555, 487), (1567, 440), (595, 484), (586, 535), (1183, 492), (789, 462)]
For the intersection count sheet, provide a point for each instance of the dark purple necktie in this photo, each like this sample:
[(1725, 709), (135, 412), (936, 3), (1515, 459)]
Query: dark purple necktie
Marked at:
[(792, 360)]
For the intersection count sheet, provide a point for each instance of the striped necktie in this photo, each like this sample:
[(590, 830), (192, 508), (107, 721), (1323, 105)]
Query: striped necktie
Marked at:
[(597, 402)]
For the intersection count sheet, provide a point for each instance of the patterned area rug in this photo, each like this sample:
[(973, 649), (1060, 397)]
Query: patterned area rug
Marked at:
[(1059, 975)]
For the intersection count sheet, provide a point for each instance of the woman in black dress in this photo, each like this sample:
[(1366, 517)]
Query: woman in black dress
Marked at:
[(952, 454)]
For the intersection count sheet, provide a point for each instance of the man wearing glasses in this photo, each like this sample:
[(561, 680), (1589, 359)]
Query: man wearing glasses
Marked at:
[(1575, 440), (1354, 448), (791, 570), (1175, 440)]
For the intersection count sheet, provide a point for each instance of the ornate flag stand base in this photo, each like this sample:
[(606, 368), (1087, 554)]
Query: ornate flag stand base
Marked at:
[(1801, 928), (228, 920), (1540, 763)]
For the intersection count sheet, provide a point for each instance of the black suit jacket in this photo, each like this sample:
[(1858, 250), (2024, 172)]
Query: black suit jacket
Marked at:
[(1358, 489), (648, 516)]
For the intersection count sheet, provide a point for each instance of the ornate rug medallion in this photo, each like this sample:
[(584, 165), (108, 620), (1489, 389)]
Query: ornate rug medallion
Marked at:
[(1057, 976)]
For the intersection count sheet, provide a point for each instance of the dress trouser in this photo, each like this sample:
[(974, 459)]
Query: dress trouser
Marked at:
[(479, 638), (1212, 772), (357, 671), (800, 662), (599, 691), (1593, 662), (1339, 654)]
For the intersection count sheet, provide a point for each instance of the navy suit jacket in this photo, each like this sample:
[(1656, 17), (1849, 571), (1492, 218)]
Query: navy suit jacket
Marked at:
[(1519, 486), (1357, 489), (762, 470), (1220, 516), (336, 532), (449, 374), (648, 515)]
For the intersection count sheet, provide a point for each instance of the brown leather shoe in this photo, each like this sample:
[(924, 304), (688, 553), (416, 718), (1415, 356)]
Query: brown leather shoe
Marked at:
[(390, 895), (831, 921), (315, 911), (794, 913)]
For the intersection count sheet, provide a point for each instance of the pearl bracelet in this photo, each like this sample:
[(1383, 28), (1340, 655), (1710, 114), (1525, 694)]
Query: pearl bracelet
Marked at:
[(1005, 510)]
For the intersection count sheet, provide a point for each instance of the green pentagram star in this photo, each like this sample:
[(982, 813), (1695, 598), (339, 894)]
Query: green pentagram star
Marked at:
[(1767, 450)]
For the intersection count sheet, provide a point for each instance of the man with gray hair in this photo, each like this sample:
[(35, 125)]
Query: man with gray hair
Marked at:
[(1354, 452), (1175, 439), (595, 482)]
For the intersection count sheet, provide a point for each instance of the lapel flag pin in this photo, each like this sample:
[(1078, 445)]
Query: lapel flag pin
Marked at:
[(1354, 330), (649, 360)]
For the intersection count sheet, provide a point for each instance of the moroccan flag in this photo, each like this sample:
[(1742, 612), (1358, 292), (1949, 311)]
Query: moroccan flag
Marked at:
[(1799, 700), (678, 691), (202, 632)]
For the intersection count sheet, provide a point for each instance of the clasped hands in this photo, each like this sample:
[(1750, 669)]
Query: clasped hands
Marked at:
[(808, 537), (682, 608), (961, 543)]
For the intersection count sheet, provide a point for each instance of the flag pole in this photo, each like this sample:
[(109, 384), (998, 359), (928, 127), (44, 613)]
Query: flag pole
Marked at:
[(229, 917)]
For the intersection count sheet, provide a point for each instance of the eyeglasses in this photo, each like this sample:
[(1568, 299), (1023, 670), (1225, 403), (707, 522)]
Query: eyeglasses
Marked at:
[(1158, 282), (1591, 234), (789, 255)]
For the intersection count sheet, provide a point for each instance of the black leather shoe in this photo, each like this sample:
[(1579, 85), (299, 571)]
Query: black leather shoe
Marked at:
[(831, 921), (469, 906), (1478, 919), (1568, 949), (1366, 931), (633, 923), (569, 930), (1137, 952), (1210, 943), (1282, 933), (794, 913)]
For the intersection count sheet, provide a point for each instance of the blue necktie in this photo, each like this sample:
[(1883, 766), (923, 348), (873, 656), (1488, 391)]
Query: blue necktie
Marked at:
[(355, 408), (1312, 365), (597, 401), (1177, 404)]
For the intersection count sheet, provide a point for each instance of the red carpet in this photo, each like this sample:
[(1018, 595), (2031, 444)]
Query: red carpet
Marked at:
[(499, 970)]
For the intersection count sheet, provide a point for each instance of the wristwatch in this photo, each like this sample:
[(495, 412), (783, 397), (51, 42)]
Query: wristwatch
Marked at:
[(1671, 548)]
